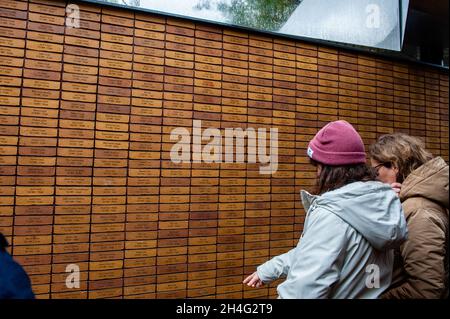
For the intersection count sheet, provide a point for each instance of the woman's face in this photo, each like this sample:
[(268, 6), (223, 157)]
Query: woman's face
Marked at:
[(385, 174)]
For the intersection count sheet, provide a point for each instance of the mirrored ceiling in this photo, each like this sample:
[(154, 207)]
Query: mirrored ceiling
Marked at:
[(370, 23)]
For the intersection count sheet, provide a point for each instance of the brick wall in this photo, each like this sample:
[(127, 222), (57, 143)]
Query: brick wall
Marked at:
[(85, 119)]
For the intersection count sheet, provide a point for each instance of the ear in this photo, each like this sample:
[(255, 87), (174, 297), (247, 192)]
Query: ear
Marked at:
[(398, 178), (395, 168)]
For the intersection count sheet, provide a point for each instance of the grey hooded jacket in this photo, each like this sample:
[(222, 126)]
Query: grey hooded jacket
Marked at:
[(346, 247)]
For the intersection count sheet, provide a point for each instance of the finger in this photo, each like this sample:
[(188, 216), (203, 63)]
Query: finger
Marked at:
[(246, 280), (249, 278), (253, 282)]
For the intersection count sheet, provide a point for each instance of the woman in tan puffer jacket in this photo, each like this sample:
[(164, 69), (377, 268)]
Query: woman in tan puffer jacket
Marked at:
[(421, 264)]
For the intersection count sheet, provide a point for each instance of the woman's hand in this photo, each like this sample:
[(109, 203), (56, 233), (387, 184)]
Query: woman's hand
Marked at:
[(396, 187), (253, 281)]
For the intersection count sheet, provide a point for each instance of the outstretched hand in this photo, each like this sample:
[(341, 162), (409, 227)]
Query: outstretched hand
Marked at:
[(253, 281)]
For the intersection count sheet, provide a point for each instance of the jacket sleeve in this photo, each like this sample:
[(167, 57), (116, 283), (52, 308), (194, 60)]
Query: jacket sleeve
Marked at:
[(276, 267), (316, 262), (423, 257), (14, 281)]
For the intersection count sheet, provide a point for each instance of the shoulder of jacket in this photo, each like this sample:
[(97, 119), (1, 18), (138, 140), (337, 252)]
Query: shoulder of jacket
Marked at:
[(414, 204), (421, 209), (320, 214)]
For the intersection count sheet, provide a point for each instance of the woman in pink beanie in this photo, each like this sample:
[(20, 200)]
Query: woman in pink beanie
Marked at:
[(352, 225)]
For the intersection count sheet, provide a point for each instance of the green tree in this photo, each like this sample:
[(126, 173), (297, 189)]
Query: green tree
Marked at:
[(260, 14)]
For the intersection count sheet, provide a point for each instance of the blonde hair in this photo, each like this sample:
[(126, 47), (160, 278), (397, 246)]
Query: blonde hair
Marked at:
[(404, 151)]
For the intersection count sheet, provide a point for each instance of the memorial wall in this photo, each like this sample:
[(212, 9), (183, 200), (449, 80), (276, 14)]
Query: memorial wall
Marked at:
[(116, 179)]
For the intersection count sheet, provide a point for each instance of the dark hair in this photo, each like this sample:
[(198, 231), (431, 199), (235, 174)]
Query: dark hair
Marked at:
[(3, 242), (334, 177)]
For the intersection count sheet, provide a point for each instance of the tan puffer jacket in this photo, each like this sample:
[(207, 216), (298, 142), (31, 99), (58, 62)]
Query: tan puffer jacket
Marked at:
[(421, 265)]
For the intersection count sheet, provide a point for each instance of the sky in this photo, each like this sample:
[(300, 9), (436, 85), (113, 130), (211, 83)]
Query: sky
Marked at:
[(184, 7)]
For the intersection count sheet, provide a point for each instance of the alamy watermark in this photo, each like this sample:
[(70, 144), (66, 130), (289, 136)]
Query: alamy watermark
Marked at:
[(373, 18), (373, 276), (73, 278), (215, 152), (73, 16)]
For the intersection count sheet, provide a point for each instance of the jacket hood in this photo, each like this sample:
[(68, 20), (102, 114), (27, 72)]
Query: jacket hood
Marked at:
[(430, 181), (372, 208)]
